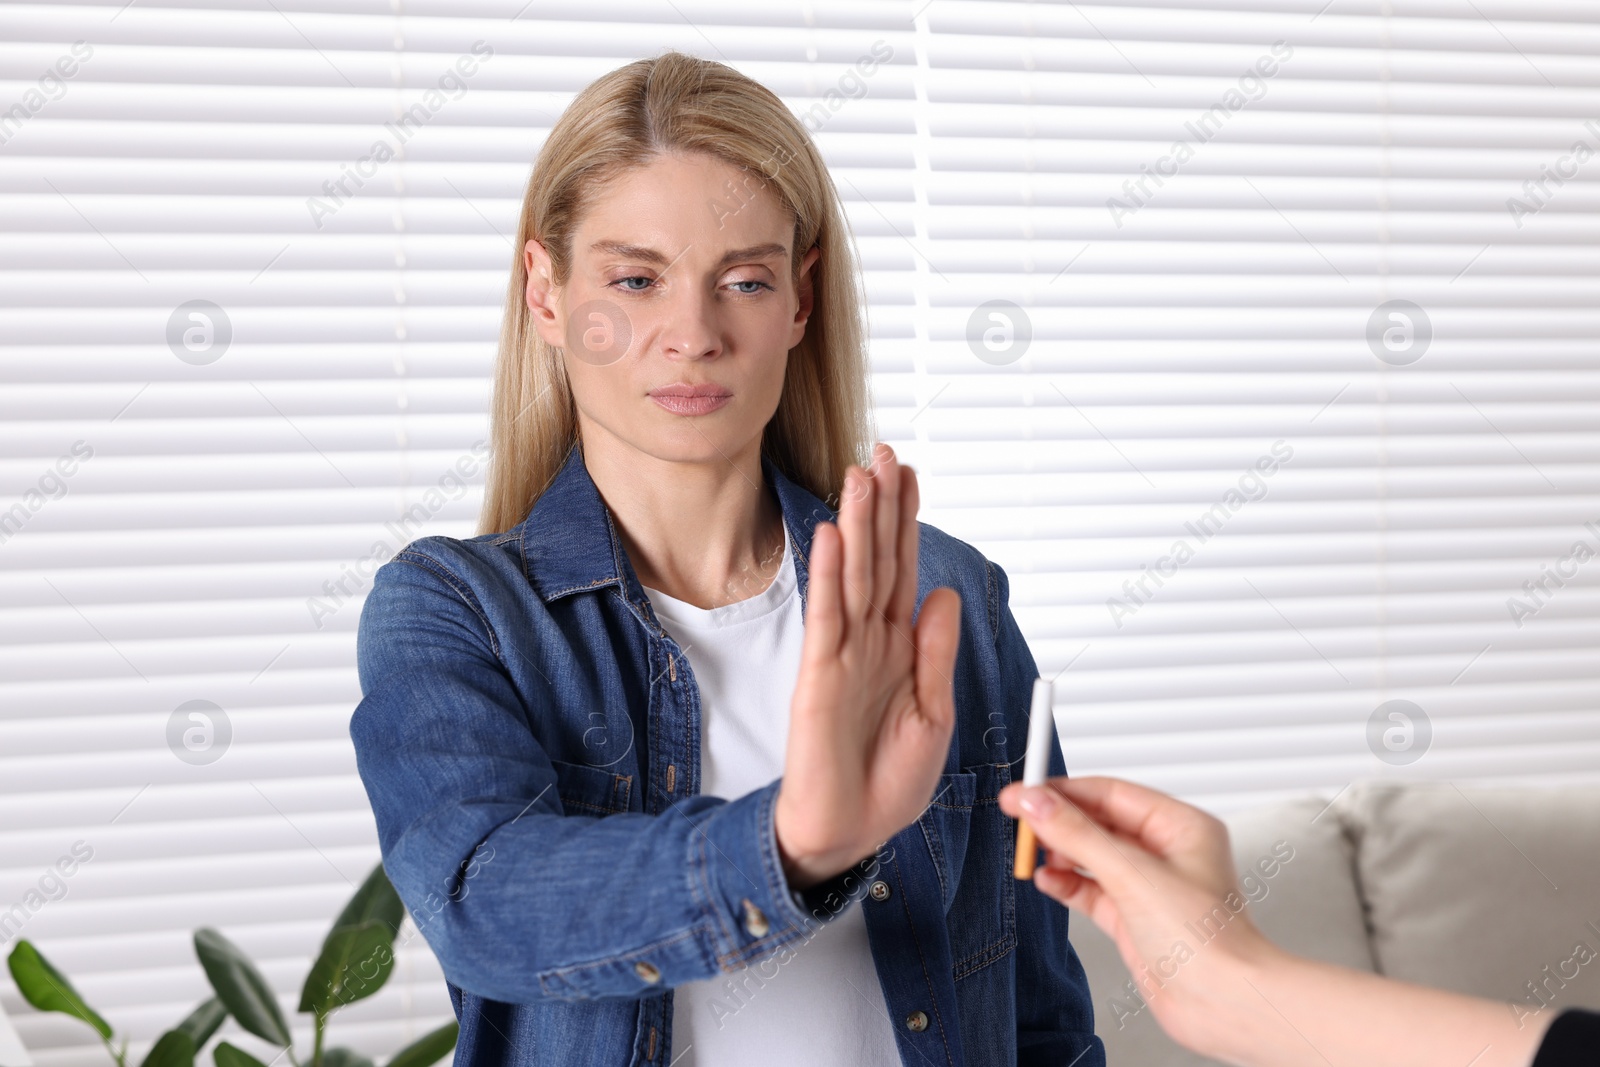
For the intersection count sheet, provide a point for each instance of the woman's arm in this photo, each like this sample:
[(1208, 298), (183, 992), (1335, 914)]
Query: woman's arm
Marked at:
[(522, 901), (519, 900), (1142, 866)]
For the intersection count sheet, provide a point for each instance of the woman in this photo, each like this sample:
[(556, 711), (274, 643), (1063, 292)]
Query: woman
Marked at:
[(1142, 865), (673, 764)]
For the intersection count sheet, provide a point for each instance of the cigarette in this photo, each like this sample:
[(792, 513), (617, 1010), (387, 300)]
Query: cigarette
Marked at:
[(1035, 770)]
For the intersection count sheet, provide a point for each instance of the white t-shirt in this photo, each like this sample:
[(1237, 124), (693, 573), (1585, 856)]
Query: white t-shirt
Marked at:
[(819, 1000)]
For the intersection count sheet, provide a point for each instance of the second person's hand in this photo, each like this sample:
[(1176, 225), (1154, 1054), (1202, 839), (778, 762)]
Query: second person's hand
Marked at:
[(1144, 867), (1157, 875)]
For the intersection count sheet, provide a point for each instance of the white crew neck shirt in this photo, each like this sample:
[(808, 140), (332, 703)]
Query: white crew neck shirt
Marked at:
[(824, 1004)]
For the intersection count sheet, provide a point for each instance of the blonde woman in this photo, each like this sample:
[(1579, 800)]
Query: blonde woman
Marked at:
[(675, 763)]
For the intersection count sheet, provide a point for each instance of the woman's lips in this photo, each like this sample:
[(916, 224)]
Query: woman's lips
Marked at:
[(690, 400)]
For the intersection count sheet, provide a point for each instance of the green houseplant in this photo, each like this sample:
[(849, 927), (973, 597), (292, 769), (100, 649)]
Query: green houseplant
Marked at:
[(356, 958), (47, 989)]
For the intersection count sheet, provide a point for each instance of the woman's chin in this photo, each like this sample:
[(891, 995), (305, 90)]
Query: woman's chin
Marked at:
[(695, 444)]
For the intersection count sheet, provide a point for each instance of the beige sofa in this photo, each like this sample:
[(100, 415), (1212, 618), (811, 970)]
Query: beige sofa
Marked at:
[(1489, 891)]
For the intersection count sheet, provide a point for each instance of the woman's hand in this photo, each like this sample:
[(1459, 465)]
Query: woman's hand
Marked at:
[(873, 710)]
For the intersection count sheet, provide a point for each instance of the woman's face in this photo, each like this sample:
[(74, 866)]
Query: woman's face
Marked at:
[(678, 316)]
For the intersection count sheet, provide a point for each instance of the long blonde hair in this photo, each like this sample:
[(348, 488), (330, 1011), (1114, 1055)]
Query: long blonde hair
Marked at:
[(679, 103)]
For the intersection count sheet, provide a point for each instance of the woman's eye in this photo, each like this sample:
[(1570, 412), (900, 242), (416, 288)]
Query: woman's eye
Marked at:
[(638, 283)]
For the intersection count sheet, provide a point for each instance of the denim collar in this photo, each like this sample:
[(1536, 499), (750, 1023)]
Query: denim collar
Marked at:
[(570, 545)]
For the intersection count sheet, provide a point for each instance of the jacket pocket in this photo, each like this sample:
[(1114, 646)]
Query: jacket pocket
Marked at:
[(586, 790), (973, 846)]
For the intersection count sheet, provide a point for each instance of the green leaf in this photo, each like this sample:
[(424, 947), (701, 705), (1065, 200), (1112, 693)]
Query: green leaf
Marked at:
[(203, 1022), (226, 1055), (172, 1049), (241, 987), (48, 989), (376, 899), (343, 1057), (427, 1050), (354, 963)]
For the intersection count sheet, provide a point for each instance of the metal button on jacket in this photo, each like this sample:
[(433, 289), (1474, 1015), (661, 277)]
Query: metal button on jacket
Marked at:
[(917, 1022), (755, 920), (649, 972), (879, 890)]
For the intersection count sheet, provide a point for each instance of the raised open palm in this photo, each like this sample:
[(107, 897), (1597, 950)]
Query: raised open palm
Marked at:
[(873, 708)]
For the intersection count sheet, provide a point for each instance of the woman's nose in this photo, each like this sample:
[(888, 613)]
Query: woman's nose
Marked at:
[(690, 328)]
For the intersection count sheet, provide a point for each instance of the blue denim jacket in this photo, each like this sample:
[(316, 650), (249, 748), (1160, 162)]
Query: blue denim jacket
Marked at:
[(530, 737)]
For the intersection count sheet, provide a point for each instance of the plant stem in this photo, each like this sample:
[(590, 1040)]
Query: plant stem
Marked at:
[(121, 1058), (319, 1028)]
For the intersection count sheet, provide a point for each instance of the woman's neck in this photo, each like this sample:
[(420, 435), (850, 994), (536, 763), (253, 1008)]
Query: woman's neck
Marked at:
[(708, 534)]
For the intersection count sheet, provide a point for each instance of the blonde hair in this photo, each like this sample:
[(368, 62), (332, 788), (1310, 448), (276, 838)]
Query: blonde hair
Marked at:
[(620, 122)]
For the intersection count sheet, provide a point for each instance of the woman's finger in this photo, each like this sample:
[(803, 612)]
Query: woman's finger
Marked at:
[(938, 636), (823, 623), (855, 526), (903, 602), (886, 527)]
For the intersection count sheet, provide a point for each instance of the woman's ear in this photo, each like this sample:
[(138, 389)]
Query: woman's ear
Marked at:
[(805, 292), (541, 294)]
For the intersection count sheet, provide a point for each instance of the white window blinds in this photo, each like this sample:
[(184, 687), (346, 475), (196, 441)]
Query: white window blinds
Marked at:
[(1133, 272), (1308, 420)]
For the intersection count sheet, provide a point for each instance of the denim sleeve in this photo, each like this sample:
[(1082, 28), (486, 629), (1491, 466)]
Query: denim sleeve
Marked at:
[(1055, 1017), (519, 901)]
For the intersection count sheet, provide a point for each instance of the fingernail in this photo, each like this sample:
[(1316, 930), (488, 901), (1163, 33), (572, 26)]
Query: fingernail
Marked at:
[(1039, 801)]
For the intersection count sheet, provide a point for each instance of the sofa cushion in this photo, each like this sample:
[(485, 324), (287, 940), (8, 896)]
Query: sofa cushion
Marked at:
[(1489, 891)]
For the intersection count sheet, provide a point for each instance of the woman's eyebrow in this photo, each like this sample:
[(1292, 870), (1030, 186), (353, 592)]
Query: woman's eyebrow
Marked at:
[(628, 251), (644, 253), (766, 251)]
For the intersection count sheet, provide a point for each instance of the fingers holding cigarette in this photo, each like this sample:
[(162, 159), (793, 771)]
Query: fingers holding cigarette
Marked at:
[(1136, 862)]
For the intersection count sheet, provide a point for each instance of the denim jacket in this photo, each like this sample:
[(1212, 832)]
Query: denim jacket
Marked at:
[(529, 736)]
